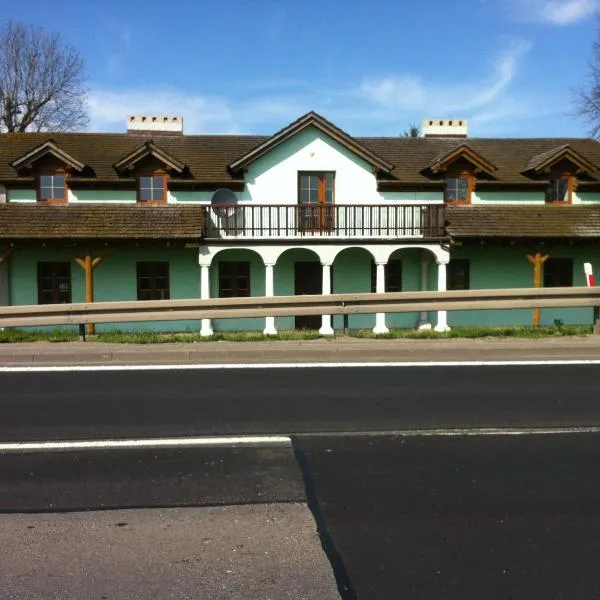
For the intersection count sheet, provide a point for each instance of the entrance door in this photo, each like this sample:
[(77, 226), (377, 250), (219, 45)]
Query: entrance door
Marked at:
[(308, 279)]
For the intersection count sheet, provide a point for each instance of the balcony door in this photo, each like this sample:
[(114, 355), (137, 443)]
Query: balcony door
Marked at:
[(315, 201)]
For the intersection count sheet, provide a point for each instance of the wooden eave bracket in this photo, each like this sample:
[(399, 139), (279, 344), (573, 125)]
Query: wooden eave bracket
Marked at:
[(315, 120), (149, 149), (49, 147)]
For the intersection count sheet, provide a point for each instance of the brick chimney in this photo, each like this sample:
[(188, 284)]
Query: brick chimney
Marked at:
[(154, 125), (444, 128)]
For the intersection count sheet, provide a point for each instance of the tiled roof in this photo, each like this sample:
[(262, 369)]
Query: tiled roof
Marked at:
[(207, 156), (95, 221), (523, 221)]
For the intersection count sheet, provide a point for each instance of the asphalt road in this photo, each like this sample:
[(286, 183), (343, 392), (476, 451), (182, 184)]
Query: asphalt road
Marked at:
[(130, 404), (423, 517), (464, 517)]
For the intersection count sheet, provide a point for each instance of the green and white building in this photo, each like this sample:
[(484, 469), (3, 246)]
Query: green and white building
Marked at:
[(153, 214)]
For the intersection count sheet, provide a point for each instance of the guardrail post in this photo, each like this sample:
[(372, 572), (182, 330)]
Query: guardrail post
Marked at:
[(81, 332), (597, 320)]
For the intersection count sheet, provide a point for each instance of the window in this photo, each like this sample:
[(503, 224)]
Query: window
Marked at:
[(459, 276), (458, 189), (559, 190), (53, 188), (54, 282), (234, 279), (153, 189), (558, 272), (393, 276), (153, 281)]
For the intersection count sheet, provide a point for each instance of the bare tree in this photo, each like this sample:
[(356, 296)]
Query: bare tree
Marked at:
[(587, 99), (41, 81)]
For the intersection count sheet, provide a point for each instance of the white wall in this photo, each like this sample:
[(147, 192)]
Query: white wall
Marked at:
[(273, 178)]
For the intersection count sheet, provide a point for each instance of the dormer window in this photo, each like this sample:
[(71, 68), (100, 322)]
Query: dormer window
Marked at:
[(560, 190), (458, 189), (153, 188), (53, 188)]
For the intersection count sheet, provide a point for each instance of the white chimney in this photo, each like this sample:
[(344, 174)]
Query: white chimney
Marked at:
[(444, 128), (155, 125)]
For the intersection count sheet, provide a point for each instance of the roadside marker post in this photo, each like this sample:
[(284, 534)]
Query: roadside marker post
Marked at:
[(590, 281)]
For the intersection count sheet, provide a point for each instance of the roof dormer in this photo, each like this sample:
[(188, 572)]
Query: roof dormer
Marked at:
[(149, 153), (559, 161), (460, 159), (47, 153)]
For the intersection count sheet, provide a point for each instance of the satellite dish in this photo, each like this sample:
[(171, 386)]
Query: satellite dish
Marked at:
[(224, 203)]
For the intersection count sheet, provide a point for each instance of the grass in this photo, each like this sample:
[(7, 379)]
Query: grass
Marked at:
[(152, 337), (23, 335), (531, 332)]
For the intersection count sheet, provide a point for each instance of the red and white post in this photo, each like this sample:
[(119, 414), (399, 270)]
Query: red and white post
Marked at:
[(590, 281)]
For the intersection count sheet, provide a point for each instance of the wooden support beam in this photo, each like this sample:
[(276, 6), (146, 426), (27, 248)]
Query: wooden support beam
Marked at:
[(88, 264), (537, 260)]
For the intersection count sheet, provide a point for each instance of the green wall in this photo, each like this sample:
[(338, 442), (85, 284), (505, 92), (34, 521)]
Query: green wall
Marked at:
[(114, 279), (509, 268)]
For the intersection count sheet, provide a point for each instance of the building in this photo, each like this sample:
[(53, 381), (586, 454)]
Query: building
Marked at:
[(155, 214)]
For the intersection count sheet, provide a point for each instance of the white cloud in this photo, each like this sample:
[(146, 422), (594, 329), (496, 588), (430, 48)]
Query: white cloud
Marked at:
[(411, 93), (385, 106), (553, 12)]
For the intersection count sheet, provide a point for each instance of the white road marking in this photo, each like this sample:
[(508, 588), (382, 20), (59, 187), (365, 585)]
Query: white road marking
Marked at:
[(454, 432), (302, 365), (137, 444)]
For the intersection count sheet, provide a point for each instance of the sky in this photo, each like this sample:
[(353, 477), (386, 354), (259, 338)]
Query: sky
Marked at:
[(373, 67)]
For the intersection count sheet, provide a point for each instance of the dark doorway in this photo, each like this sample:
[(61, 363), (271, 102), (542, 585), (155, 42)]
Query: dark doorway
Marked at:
[(308, 279)]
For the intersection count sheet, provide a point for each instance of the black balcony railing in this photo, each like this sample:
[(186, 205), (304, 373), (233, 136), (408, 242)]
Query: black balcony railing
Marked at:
[(333, 220)]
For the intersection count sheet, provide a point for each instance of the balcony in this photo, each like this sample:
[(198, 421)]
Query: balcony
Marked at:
[(335, 221)]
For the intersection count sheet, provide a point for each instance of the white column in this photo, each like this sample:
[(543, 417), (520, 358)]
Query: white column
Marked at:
[(424, 318), (326, 328), (206, 328), (380, 326), (269, 291), (442, 316)]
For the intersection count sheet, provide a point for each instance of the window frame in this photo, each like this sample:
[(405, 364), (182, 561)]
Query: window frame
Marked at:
[(470, 179), (549, 199), (52, 200), (557, 273), (237, 269), (453, 274), (55, 279), (155, 292), (389, 274), (151, 176)]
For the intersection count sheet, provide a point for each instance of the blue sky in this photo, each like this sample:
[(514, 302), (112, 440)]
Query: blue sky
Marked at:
[(251, 66)]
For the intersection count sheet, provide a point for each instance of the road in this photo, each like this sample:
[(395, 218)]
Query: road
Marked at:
[(130, 404), (400, 515)]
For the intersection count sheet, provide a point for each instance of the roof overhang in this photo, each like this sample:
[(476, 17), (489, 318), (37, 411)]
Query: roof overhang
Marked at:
[(542, 163), (49, 147), (315, 120), (464, 151), (145, 150)]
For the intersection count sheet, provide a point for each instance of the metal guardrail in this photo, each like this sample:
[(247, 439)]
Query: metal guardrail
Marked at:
[(334, 304)]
